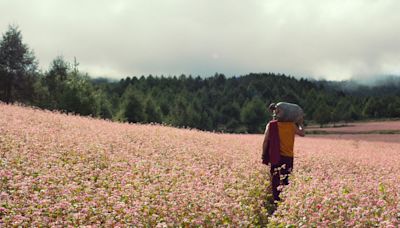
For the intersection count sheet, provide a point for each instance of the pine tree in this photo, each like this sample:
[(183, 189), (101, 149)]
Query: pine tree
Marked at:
[(18, 67), (254, 115), (322, 114), (152, 112), (133, 108)]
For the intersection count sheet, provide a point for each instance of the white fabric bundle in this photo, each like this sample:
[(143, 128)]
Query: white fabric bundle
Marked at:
[(288, 112)]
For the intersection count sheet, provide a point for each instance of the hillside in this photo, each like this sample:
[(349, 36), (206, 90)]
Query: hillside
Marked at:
[(217, 103), (61, 170), (238, 104), (57, 170)]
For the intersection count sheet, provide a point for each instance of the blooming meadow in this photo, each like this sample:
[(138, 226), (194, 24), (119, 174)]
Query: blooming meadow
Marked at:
[(361, 127), (59, 170), (390, 138), (343, 183)]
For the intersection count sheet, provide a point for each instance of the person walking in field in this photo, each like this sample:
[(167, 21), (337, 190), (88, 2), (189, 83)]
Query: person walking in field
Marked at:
[(278, 144)]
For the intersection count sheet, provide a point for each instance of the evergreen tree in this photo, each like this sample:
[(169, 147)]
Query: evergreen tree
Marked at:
[(132, 106), (180, 116), (340, 111), (152, 112), (393, 109), (322, 114), (55, 80), (104, 106), (353, 114), (78, 96), (254, 115), (18, 67), (371, 108)]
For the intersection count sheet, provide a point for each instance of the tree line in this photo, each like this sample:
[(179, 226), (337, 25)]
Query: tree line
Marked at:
[(216, 103)]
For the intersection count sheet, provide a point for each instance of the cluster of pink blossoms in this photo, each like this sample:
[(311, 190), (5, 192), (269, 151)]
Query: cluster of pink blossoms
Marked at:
[(346, 182), (363, 127), (60, 170), (64, 170)]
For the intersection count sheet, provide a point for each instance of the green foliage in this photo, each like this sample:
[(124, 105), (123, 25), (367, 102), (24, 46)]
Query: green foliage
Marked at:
[(104, 106), (322, 114), (393, 108), (18, 68), (341, 111), (132, 106), (153, 113), (254, 115), (77, 96)]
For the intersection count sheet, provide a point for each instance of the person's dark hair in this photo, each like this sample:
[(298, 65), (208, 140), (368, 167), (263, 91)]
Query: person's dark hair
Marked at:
[(272, 107)]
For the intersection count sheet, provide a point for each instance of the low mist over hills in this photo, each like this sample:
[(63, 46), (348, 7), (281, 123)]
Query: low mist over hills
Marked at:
[(374, 86)]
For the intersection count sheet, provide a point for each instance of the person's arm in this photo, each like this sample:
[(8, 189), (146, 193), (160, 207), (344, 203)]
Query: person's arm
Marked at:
[(300, 130), (265, 138)]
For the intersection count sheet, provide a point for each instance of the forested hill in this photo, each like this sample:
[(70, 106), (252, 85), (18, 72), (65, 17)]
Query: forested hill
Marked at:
[(234, 104), (238, 104)]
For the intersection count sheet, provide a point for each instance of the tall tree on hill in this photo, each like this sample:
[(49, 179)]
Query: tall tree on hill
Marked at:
[(153, 113), (104, 105), (374, 108), (18, 67), (58, 72), (322, 114), (353, 114), (78, 96), (180, 115), (393, 109), (60, 67), (132, 106), (254, 114), (340, 111), (55, 78)]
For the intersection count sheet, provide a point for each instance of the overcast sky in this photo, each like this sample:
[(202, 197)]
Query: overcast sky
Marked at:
[(118, 38)]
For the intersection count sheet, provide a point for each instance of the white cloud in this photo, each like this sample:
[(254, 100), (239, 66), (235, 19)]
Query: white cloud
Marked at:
[(329, 38)]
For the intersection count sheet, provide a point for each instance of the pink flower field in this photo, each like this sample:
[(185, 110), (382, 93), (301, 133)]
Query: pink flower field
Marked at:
[(394, 138), (343, 182), (362, 127), (61, 170)]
